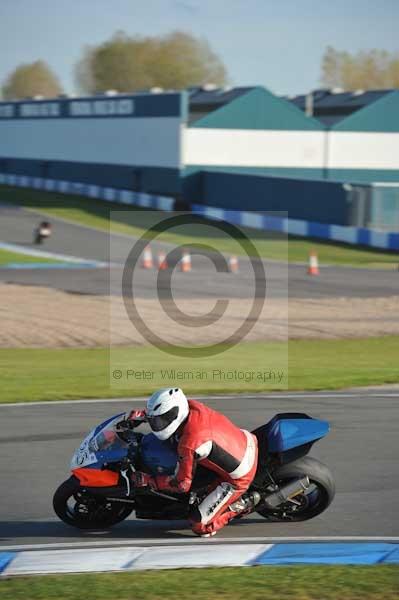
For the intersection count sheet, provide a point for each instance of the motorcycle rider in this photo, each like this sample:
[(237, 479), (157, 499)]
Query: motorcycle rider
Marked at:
[(206, 437)]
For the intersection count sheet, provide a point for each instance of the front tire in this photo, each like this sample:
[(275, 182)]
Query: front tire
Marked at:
[(313, 501), (80, 509)]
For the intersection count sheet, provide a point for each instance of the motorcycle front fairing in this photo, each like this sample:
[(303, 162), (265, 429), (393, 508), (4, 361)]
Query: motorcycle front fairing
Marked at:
[(102, 446)]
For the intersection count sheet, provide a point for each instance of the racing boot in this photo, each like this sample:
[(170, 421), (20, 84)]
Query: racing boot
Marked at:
[(245, 504)]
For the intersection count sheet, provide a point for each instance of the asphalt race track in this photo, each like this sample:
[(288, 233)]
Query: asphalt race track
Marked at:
[(16, 226), (37, 441)]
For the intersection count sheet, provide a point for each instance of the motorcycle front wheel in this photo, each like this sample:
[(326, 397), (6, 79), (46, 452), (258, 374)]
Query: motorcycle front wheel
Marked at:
[(75, 506), (313, 501)]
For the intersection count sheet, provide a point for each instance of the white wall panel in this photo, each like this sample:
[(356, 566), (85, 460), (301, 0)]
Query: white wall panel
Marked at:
[(363, 150), (253, 148)]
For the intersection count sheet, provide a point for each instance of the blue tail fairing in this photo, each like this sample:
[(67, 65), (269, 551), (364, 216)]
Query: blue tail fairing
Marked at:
[(285, 434)]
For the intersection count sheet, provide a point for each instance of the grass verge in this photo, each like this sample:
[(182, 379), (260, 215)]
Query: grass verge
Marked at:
[(133, 221), (7, 257), (40, 374), (261, 583)]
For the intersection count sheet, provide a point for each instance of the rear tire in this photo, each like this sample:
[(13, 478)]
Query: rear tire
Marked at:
[(314, 501), (84, 511)]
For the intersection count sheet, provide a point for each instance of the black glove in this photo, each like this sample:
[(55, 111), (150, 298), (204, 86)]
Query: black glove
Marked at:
[(124, 425)]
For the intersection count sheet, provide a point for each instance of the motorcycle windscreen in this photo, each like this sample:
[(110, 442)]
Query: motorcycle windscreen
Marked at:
[(158, 457), (286, 434), (101, 445)]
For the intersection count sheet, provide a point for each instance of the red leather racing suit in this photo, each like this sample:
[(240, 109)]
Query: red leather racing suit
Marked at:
[(212, 440)]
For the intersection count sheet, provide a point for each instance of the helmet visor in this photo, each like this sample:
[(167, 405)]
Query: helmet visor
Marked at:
[(161, 422)]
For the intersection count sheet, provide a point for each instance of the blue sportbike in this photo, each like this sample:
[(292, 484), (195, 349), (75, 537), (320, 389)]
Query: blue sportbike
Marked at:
[(290, 485)]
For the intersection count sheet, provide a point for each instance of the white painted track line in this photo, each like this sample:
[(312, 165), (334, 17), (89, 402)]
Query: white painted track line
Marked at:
[(196, 540), (261, 397)]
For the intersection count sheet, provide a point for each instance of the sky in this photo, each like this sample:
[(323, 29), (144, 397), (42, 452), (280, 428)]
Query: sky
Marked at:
[(275, 43)]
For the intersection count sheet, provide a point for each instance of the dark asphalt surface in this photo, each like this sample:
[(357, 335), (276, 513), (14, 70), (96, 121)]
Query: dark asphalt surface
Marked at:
[(37, 441), (16, 226)]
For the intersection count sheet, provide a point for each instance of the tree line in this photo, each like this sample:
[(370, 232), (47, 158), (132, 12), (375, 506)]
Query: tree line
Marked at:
[(366, 70), (179, 60), (126, 64)]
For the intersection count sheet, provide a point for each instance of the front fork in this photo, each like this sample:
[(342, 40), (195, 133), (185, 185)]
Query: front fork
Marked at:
[(125, 475)]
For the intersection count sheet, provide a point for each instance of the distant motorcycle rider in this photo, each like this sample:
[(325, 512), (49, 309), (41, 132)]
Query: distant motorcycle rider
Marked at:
[(206, 437)]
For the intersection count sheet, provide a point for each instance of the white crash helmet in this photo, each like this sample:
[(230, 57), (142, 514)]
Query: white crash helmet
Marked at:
[(166, 410)]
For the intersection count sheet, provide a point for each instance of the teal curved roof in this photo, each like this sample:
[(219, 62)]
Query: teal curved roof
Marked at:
[(382, 115), (259, 109)]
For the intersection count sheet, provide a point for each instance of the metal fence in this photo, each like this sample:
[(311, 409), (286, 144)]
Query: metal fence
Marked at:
[(375, 206)]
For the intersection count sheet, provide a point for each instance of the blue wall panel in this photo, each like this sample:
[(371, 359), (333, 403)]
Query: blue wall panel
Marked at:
[(145, 179), (318, 230), (323, 202), (172, 104), (363, 236), (394, 240), (192, 174)]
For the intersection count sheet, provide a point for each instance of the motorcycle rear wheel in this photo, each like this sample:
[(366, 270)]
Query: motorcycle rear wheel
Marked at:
[(85, 511), (312, 502)]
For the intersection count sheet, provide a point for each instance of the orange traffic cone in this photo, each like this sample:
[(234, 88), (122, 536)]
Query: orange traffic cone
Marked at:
[(313, 268), (147, 258), (233, 264), (185, 263), (162, 262)]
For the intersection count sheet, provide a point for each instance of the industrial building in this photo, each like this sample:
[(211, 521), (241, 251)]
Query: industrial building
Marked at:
[(229, 148)]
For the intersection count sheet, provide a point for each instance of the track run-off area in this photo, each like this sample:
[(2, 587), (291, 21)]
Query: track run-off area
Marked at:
[(37, 441)]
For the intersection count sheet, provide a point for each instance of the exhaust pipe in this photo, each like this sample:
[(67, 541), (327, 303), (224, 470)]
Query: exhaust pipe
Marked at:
[(287, 492)]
